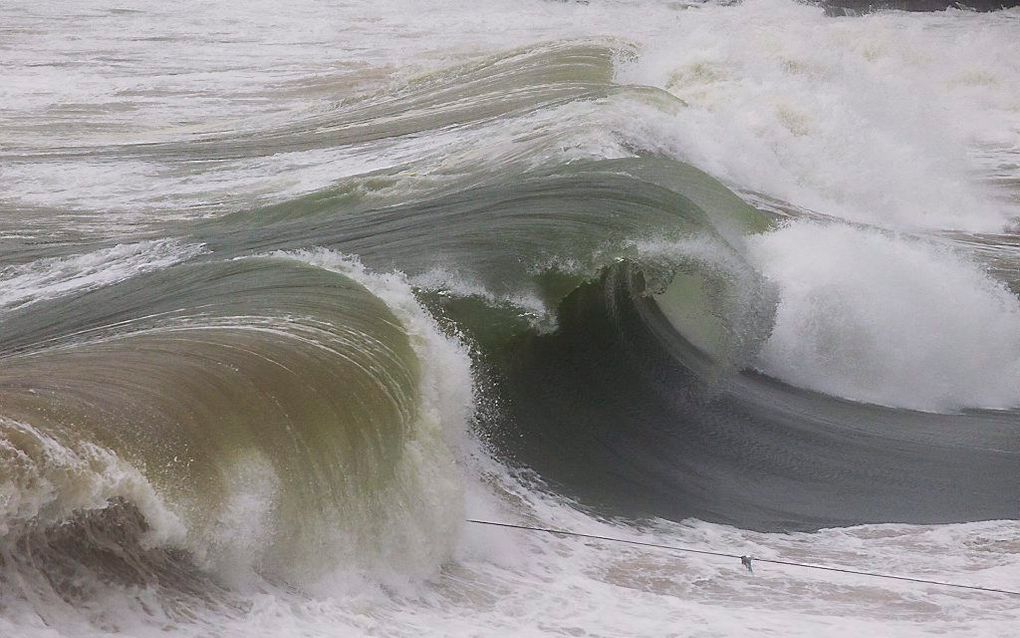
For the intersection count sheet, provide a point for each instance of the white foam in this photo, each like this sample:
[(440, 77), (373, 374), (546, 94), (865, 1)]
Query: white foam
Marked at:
[(49, 278), (869, 119), (886, 319), (507, 582), (44, 482), (243, 529), (872, 120), (525, 303)]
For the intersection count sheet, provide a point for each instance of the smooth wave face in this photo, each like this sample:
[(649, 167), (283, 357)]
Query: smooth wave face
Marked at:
[(286, 294), (622, 411), (273, 409)]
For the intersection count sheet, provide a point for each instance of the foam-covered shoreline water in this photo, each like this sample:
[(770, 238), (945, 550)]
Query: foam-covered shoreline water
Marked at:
[(286, 293)]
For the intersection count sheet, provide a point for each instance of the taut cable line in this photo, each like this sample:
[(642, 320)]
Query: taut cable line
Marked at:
[(745, 560)]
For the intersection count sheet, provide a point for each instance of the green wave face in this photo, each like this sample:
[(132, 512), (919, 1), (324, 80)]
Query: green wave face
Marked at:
[(267, 415), (274, 410), (273, 407), (533, 234)]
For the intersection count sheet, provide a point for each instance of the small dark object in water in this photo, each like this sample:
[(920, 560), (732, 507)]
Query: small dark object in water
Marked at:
[(746, 562)]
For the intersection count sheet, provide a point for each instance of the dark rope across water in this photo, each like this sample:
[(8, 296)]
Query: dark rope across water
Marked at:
[(745, 560)]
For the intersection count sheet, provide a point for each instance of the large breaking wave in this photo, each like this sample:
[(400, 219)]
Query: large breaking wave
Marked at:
[(290, 393)]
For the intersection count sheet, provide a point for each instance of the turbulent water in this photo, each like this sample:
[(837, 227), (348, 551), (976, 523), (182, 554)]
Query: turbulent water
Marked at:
[(289, 291)]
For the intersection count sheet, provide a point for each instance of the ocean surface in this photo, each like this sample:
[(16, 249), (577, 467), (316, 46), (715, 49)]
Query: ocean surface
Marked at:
[(289, 291)]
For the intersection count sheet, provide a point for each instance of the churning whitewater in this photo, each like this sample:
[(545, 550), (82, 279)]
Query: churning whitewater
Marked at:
[(289, 293)]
